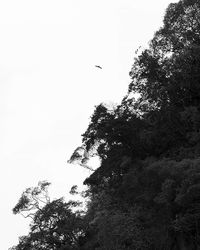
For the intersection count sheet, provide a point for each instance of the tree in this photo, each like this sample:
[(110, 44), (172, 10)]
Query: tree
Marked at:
[(146, 193), (55, 224), (149, 146), (166, 193)]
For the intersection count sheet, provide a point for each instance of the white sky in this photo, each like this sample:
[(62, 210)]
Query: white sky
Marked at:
[(49, 86)]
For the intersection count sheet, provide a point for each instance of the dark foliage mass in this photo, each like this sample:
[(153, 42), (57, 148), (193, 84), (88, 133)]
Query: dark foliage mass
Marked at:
[(146, 193)]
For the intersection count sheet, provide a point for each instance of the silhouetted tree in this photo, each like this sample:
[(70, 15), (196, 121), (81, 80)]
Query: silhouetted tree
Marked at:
[(55, 224), (146, 193)]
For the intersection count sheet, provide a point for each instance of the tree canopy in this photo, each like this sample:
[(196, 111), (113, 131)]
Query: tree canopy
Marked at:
[(146, 192)]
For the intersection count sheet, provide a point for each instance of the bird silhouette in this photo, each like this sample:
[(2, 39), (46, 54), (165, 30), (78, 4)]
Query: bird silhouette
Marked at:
[(98, 66)]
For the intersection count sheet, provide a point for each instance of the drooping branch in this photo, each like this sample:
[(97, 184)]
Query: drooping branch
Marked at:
[(32, 200)]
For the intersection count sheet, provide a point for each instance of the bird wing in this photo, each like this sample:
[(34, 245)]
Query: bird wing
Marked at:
[(98, 66)]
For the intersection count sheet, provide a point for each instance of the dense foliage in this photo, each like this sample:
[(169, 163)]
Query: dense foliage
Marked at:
[(146, 192)]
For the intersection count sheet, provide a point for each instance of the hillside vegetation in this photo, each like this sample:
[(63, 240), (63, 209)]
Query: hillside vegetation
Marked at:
[(146, 193)]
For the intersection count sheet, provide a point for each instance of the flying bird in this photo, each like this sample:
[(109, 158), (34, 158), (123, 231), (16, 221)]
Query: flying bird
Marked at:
[(98, 66)]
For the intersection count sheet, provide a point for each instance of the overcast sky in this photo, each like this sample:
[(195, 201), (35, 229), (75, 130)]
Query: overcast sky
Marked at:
[(49, 86)]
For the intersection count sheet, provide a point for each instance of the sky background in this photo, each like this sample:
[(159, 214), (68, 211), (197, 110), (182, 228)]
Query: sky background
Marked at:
[(49, 86)]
